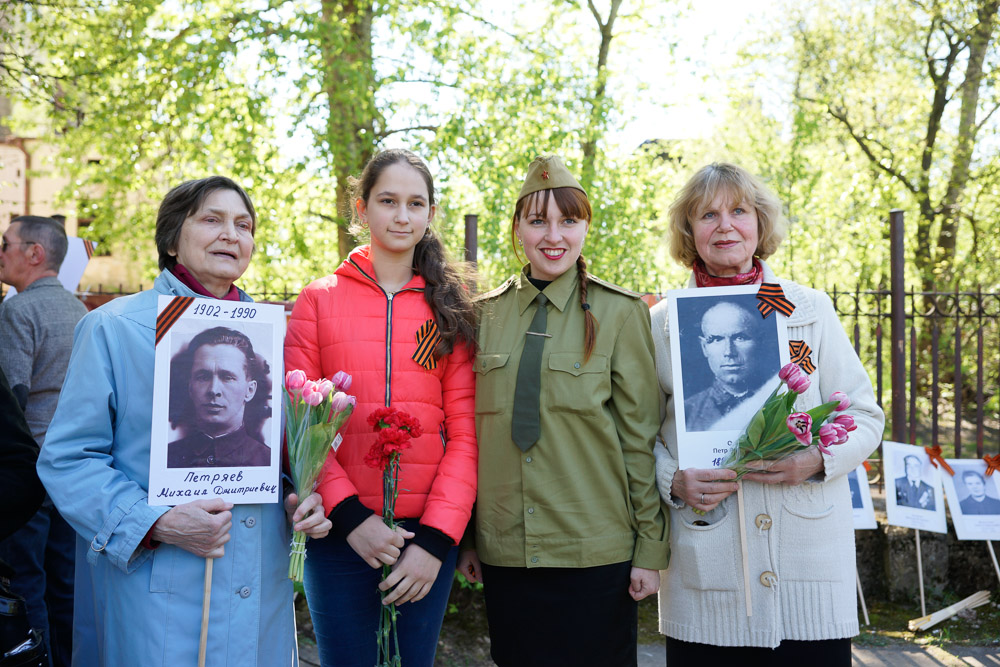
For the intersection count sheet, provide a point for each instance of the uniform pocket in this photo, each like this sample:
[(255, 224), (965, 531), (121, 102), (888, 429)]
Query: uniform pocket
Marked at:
[(493, 388), (576, 385)]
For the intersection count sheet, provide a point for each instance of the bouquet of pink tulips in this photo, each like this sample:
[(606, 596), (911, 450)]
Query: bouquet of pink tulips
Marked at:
[(314, 412), (775, 432)]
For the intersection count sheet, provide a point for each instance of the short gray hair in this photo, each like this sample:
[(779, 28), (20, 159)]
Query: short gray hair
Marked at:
[(47, 233)]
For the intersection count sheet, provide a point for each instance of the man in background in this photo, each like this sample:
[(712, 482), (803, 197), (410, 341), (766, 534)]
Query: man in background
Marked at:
[(36, 338)]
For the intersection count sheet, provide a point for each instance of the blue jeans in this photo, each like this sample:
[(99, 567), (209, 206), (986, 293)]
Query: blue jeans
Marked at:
[(342, 591), (42, 554)]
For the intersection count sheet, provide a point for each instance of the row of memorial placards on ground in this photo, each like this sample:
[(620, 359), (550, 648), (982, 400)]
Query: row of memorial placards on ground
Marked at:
[(915, 490)]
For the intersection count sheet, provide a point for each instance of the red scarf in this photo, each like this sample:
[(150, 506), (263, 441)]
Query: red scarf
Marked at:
[(186, 277), (702, 278)]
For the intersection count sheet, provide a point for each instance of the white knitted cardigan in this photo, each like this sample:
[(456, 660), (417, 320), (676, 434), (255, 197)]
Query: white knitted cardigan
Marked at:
[(807, 554)]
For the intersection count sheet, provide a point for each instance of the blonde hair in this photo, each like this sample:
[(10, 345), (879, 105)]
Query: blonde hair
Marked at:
[(741, 186)]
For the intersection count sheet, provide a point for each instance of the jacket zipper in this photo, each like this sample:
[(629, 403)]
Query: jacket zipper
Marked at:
[(388, 327)]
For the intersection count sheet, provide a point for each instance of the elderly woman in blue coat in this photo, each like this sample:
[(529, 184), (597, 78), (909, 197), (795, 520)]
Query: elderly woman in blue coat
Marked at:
[(140, 568)]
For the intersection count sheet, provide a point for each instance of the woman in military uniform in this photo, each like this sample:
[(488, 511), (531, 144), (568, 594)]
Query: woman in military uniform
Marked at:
[(568, 533)]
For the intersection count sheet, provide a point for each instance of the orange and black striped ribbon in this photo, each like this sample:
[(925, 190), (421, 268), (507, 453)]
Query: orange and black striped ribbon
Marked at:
[(770, 298), (935, 455), (89, 247), (428, 338), (992, 463), (800, 352), (168, 316)]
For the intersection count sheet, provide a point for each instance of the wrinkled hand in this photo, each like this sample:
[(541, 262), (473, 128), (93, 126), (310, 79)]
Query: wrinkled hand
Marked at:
[(412, 576), (792, 470), (713, 485), (308, 517), (376, 543), (200, 526), (470, 567), (643, 583)]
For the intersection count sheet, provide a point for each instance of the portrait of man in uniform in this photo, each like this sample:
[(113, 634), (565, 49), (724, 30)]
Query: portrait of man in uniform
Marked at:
[(737, 347), (219, 398), (911, 490), (978, 500)]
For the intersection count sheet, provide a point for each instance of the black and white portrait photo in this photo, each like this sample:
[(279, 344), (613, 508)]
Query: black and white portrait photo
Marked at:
[(220, 390), (862, 509), (725, 357), (216, 401), (728, 355), (974, 499), (913, 488)]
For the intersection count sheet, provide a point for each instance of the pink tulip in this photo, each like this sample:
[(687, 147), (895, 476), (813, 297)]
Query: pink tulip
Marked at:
[(311, 393), (295, 380), (342, 381), (325, 387), (342, 401), (800, 424), (799, 384), (827, 436), (789, 371), (847, 421), (843, 400)]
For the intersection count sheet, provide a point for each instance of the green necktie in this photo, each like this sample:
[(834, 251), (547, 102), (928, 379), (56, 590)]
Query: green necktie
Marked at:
[(525, 427)]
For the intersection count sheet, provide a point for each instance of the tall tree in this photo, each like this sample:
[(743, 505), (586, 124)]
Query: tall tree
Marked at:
[(916, 100)]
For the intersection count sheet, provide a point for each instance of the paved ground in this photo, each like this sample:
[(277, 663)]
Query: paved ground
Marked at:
[(654, 655)]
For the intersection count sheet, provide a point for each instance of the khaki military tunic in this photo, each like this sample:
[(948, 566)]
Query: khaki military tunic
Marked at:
[(585, 493)]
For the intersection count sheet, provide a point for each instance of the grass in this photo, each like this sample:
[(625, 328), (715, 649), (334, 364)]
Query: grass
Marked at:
[(973, 627)]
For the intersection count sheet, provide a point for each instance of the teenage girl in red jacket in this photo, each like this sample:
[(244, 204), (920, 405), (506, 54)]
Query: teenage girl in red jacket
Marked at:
[(368, 319)]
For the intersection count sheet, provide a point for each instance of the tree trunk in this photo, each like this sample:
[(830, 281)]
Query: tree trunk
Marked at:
[(350, 85)]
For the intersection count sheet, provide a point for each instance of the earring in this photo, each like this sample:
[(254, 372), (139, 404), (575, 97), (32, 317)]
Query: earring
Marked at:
[(520, 242)]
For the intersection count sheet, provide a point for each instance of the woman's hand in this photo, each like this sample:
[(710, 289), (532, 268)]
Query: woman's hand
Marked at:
[(791, 470), (376, 543), (643, 582), (308, 517), (200, 526), (470, 567), (703, 488), (412, 577)]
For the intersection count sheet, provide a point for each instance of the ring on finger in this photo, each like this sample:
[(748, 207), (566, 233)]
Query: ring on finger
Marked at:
[(703, 499)]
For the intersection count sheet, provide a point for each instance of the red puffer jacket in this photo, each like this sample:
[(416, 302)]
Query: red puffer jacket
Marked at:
[(347, 322)]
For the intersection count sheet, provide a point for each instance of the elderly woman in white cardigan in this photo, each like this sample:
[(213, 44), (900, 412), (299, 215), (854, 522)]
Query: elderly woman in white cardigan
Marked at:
[(800, 536)]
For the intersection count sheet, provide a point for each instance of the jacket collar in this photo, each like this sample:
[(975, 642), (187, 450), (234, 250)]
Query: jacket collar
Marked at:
[(358, 265), (558, 291), (168, 283), (804, 313), (44, 281)]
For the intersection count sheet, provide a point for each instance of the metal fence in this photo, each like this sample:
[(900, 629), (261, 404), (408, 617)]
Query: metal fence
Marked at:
[(950, 349)]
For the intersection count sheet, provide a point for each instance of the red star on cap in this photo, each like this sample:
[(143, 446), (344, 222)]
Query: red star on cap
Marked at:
[(545, 175)]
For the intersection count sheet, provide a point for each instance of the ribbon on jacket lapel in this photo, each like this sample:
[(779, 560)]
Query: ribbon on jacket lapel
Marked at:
[(428, 338), (89, 247), (771, 298), (168, 316), (935, 455), (800, 352), (992, 463)]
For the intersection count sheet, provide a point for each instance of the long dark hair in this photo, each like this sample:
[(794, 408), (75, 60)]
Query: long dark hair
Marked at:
[(573, 203), (447, 289)]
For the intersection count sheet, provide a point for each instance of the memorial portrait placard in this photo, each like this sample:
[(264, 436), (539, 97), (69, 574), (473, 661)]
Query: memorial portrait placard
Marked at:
[(913, 496), (725, 358), (861, 499), (216, 401), (974, 499)]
